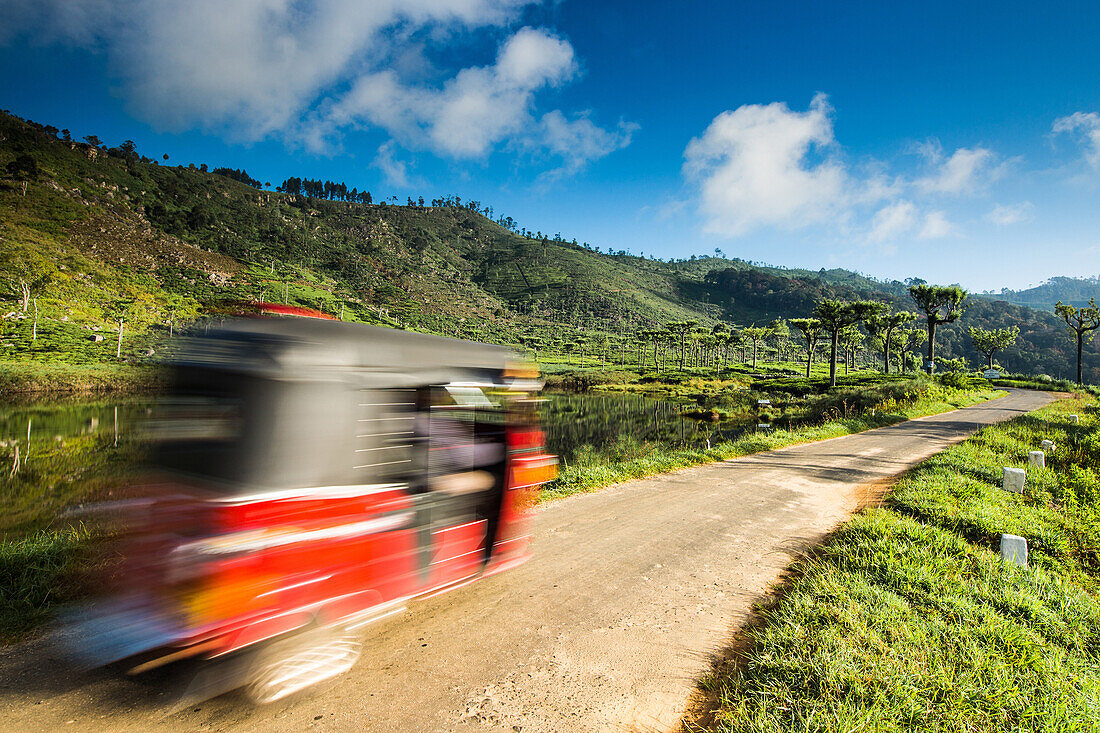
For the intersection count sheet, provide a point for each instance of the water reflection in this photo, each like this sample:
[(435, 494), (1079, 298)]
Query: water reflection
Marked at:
[(55, 455), (59, 454), (573, 421)]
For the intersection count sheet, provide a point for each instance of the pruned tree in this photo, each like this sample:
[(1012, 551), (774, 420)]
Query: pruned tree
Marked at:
[(851, 340), (780, 333), (568, 347), (755, 334), (811, 334), (721, 333), (581, 342), (644, 338), (991, 340), (663, 342), (532, 343), (908, 339), (836, 315), (940, 304), (698, 337), (1083, 322), (600, 343), (884, 325), (682, 329)]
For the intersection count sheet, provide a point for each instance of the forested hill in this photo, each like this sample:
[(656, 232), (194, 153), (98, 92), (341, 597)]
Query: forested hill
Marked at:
[(100, 233), (1075, 291)]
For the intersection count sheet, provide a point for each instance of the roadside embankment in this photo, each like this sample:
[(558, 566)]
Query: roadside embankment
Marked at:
[(21, 380), (906, 617)]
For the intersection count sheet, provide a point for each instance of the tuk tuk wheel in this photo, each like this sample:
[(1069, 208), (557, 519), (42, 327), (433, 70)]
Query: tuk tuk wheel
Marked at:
[(306, 658)]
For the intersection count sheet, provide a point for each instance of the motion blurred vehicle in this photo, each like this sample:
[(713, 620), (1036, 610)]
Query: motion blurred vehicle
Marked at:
[(310, 477)]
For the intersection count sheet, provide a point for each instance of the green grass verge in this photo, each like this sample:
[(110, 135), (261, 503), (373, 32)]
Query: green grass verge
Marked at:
[(906, 619), (1043, 382), (37, 572), (34, 379), (592, 469)]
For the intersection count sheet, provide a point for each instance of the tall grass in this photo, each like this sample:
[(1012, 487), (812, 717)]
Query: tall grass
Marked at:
[(906, 619), (37, 572)]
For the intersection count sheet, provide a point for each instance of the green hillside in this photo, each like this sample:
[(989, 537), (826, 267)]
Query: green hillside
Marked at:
[(1076, 291), (100, 234)]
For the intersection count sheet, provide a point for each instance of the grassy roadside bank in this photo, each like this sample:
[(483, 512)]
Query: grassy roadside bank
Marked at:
[(29, 380), (37, 573), (906, 618), (591, 470)]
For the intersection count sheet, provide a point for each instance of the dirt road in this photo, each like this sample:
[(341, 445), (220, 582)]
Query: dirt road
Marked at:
[(631, 591)]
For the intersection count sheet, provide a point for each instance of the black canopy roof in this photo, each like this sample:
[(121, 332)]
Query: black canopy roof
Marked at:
[(306, 348)]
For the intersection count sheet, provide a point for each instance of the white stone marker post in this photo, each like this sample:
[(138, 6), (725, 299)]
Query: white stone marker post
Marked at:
[(1047, 445), (1075, 418), (1014, 549), (1013, 480), (1037, 458)]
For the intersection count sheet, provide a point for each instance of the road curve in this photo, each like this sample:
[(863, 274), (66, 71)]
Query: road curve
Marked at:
[(631, 591)]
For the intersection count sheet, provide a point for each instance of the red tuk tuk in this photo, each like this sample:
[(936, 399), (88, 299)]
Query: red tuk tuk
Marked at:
[(310, 477)]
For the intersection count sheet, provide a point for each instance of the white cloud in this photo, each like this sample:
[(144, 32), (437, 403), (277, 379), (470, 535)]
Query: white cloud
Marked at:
[(936, 226), (249, 67), (481, 106), (1088, 125), (484, 106), (396, 171), (752, 168), (892, 221), (965, 172), (1008, 214), (253, 69), (579, 141), (768, 166)]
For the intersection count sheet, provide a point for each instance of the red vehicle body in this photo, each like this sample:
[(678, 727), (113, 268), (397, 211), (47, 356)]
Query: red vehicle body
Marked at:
[(311, 477)]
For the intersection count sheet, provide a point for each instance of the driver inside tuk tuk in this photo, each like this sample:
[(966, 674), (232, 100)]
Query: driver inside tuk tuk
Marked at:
[(457, 459)]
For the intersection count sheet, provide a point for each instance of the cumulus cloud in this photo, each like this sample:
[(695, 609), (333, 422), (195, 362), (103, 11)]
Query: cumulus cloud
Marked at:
[(579, 141), (936, 226), (472, 112), (892, 221), (252, 69), (753, 168), (252, 66), (1087, 125), (396, 171), (1008, 214), (770, 166), (965, 171), (902, 219)]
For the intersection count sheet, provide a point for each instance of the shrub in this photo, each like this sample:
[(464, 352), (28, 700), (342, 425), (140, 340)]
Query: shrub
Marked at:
[(958, 380)]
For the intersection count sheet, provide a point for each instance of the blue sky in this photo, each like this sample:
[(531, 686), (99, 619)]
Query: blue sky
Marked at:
[(958, 142)]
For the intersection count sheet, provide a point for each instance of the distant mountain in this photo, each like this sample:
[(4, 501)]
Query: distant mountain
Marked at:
[(100, 233), (1070, 290)]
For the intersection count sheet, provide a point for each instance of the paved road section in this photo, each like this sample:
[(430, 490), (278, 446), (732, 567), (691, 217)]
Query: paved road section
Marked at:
[(631, 592)]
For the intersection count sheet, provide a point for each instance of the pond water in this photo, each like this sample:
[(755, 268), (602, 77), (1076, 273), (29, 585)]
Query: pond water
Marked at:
[(601, 420), (57, 454)]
